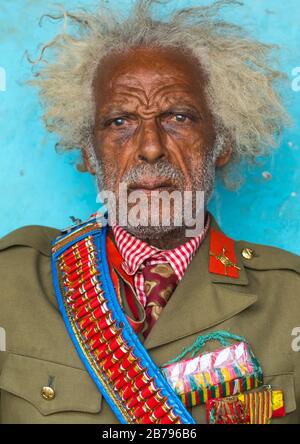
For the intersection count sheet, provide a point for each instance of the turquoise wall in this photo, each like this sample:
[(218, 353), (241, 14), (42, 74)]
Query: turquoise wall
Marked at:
[(39, 186)]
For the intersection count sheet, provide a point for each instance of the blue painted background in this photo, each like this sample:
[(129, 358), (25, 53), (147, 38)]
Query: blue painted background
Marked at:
[(39, 186)]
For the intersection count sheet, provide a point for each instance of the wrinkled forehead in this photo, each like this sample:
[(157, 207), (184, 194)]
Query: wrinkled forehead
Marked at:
[(148, 70)]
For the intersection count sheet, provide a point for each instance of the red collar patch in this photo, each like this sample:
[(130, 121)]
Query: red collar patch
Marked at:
[(222, 256)]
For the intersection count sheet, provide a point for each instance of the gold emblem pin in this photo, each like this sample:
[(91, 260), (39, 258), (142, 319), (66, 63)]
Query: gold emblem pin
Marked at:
[(224, 260)]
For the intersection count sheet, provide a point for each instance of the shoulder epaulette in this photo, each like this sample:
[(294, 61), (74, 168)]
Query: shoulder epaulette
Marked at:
[(34, 236), (265, 257)]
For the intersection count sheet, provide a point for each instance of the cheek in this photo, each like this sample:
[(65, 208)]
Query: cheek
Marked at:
[(197, 170), (188, 154), (189, 142), (114, 138), (114, 162), (182, 133), (113, 145), (196, 166)]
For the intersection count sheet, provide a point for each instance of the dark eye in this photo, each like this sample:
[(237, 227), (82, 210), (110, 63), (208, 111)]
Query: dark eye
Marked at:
[(180, 118), (119, 121)]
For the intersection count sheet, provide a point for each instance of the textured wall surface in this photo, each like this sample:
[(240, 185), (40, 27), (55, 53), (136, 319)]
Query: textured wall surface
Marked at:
[(39, 186)]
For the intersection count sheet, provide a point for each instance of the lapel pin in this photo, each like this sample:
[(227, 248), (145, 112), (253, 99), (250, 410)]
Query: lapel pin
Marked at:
[(224, 260)]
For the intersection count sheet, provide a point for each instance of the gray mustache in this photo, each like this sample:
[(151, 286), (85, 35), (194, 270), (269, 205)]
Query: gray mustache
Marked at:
[(161, 169)]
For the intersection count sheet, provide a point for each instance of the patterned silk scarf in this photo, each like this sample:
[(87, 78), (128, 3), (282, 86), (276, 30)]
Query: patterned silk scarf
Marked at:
[(160, 282)]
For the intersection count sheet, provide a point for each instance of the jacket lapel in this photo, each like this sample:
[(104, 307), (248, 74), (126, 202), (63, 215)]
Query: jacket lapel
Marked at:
[(201, 299)]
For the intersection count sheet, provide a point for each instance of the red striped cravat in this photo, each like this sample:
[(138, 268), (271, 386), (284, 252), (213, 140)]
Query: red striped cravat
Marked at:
[(160, 282), (136, 253)]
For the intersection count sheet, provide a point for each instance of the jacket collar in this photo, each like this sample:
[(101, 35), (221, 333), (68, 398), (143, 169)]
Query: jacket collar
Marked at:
[(201, 299)]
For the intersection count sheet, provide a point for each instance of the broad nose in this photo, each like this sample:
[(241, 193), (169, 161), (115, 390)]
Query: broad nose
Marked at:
[(150, 144)]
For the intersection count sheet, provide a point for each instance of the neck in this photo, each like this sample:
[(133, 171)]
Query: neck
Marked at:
[(168, 241)]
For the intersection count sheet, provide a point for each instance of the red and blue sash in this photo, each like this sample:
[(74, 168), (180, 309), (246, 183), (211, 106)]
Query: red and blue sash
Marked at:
[(112, 353)]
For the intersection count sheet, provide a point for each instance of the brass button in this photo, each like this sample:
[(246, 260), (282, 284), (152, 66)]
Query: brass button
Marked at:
[(48, 393), (247, 253)]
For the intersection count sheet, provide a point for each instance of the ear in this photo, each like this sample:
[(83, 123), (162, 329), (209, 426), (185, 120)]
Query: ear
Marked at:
[(88, 162), (224, 157)]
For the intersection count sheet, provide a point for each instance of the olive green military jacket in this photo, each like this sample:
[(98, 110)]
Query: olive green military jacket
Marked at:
[(262, 304)]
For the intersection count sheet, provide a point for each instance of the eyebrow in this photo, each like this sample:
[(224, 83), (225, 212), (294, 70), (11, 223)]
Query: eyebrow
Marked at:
[(177, 107), (113, 110)]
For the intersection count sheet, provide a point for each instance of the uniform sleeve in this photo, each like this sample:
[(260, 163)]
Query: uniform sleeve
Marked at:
[(15, 250)]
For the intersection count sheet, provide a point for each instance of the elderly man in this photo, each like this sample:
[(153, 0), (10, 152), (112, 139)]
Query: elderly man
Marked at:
[(94, 313)]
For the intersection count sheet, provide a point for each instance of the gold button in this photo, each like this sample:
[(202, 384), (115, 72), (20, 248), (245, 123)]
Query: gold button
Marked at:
[(247, 253), (48, 393)]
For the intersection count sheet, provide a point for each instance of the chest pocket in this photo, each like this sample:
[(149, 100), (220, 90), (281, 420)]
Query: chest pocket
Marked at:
[(25, 378), (279, 373)]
